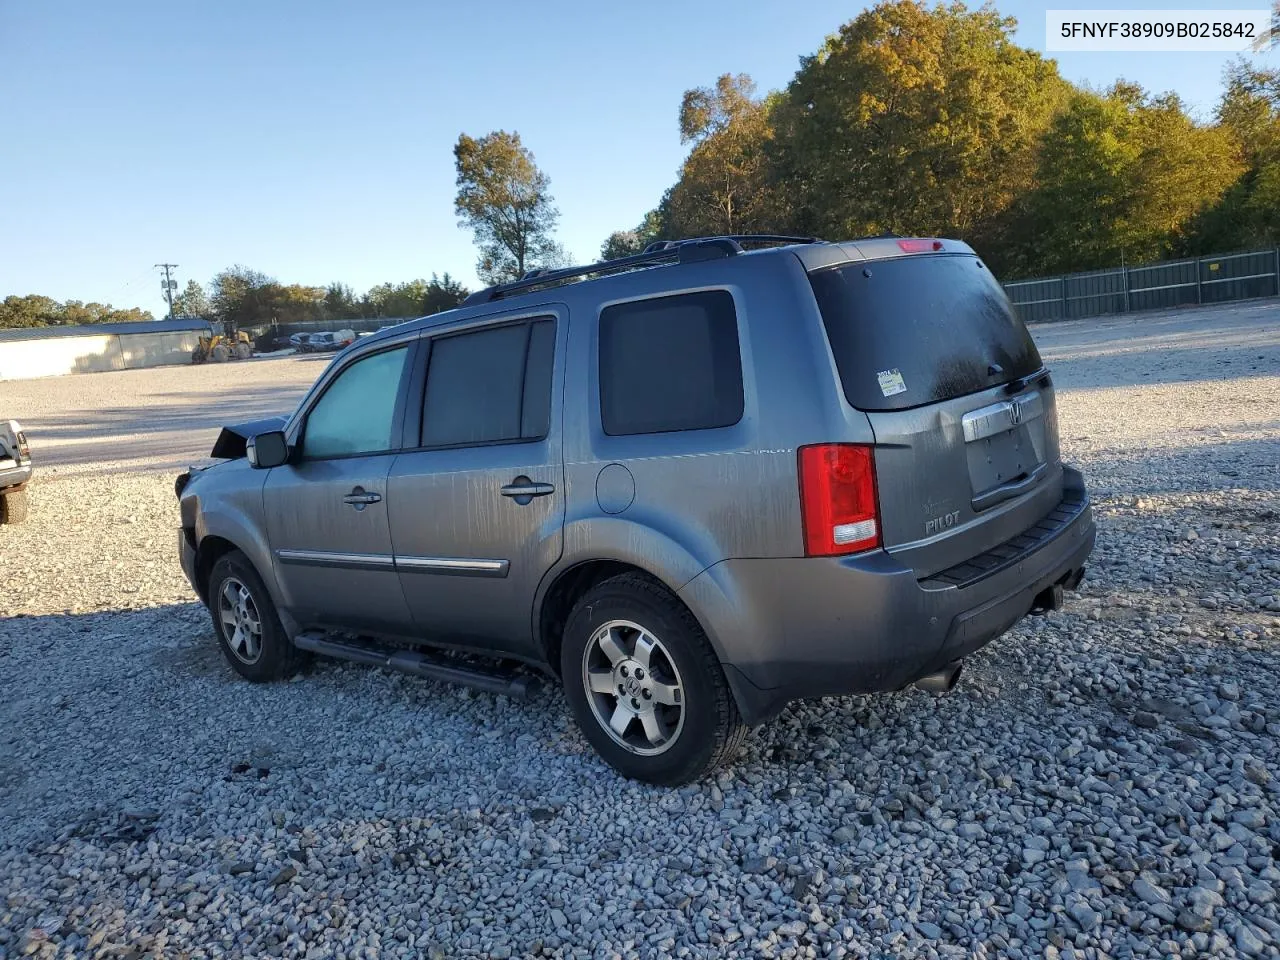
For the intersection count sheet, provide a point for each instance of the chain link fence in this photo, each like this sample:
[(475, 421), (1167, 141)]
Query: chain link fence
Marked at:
[(1154, 286)]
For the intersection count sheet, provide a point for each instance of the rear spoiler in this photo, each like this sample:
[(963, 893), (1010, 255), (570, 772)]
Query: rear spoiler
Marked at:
[(231, 441)]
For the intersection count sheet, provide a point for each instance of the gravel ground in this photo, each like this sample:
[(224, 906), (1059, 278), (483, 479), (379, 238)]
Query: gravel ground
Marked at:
[(1105, 781)]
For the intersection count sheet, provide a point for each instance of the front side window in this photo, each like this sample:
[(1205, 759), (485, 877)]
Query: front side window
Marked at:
[(489, 386), (671, 363), (356, 413)]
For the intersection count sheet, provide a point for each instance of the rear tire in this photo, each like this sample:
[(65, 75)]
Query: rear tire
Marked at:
[(246, 623), (645, 685), (243, 351), (13, 506)]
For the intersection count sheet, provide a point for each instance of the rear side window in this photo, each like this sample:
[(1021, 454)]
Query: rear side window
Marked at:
[(535, 414), (921, 329), (671, 363), (490, 386)]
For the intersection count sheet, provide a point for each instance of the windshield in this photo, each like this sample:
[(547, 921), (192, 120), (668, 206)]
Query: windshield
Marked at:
[(920, 329)]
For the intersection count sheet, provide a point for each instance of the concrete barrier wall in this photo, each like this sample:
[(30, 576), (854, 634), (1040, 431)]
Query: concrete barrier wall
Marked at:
[(56, 356), (157, 349)]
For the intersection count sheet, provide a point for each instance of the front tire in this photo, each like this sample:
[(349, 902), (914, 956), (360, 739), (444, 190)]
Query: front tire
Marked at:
[(246, 623), (13, 506), (645, 685)]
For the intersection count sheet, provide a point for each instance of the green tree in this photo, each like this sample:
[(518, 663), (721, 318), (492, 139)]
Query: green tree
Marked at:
[(192, 302), (504, 198), (31, 310), (73, 313), (340, 302), (621, 243), (1184, 169), (626, 243), (1250, 109), (724, 185), (398, 299), (442, 293), (239, 296), (1121, 176), (130, 315), (294, 303), (37, 311), (913, 120), (1249, 212)]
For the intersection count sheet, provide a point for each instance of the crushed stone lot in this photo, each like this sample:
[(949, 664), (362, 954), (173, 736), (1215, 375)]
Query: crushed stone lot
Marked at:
[(1103, 782)]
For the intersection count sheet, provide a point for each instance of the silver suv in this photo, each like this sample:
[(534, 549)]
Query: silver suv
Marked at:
[(15, 471), (693, 484)]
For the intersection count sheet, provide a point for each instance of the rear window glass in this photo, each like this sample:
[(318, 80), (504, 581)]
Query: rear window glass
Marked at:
[(920, 329), (489, 386)]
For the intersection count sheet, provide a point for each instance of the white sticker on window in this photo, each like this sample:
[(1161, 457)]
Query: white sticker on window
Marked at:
[(891, 382)]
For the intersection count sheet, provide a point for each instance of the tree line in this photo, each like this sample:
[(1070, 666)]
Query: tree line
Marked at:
[(34, 310), (243, 297), (932, 121)]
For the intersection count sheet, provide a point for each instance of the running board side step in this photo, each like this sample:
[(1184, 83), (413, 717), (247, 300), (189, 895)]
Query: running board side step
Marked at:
[(420, 663)]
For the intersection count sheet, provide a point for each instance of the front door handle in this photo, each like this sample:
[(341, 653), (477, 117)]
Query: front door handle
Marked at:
[(522, 489), (359, 499)]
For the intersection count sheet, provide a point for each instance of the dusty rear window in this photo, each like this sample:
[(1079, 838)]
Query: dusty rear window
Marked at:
[(920, 329)]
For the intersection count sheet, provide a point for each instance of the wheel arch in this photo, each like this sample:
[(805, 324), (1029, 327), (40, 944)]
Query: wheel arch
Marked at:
[(563, 593), (210, 550), (598, 548)]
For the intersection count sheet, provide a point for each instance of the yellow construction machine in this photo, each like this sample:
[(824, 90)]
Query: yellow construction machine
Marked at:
[(219, 348)]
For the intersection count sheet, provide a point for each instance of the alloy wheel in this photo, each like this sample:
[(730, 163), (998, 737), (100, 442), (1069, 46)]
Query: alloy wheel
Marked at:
[(633, 687), (241, 622)]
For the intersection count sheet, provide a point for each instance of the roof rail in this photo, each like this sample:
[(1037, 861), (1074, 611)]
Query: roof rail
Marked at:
[(536, 272), (660, 251), (552, 277), (738, 238), (770, 238)]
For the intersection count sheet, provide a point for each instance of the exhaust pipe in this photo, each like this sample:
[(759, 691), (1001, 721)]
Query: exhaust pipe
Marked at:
[(1073, 580), (942, 681), (1050, 598)]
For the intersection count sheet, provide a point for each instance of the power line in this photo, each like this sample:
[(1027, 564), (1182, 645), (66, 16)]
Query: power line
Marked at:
[(123, 291), (169, 285)]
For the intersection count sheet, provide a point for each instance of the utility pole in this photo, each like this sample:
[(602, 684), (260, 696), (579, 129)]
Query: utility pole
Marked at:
[(168, 284)]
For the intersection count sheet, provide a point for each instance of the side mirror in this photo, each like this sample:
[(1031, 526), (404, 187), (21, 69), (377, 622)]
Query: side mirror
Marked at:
[(268, 450)]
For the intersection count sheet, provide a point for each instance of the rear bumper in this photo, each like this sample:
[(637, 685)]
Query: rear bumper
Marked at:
[(789, 629)]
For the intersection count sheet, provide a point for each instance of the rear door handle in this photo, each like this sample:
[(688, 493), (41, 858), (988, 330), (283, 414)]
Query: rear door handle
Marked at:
[(524, 487)]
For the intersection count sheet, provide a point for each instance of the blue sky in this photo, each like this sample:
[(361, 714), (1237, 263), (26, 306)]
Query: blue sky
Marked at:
[(313, 140)]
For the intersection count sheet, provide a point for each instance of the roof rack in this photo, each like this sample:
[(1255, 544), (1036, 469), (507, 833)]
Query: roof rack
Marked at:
[(693, 250)]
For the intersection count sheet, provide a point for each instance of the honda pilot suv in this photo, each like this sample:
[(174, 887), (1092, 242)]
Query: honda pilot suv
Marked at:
[(693, 484)]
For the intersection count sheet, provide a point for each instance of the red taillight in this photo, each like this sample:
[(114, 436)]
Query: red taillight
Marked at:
[(919, 246), (838, 499)]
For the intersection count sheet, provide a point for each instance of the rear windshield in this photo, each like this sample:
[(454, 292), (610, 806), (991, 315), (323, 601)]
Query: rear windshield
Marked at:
[(920, 329)]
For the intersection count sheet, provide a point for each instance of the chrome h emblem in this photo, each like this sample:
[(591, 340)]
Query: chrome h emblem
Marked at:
[(1015, 413)]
